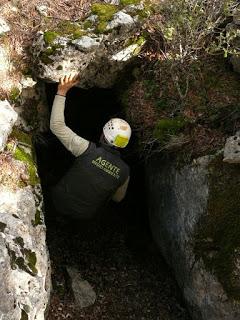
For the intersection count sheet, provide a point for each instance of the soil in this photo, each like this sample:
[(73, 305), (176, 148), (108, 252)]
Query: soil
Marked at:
[(122, 265)]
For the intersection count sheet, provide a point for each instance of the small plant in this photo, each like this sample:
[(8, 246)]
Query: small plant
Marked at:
[(188, 31), (165, 128)]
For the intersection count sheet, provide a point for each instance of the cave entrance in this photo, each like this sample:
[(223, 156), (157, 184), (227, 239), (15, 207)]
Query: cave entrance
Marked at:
[(115, 254), (86, 112)]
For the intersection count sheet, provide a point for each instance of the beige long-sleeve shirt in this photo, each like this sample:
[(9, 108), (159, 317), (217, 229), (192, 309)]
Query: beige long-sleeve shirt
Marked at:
[(73, 142)]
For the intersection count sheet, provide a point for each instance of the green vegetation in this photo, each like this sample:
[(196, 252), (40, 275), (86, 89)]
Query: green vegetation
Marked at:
[(14, 94), (51, 51), (21, 136), (217, 235), (49, 37), (38, 219), (165, 128), (64, 28), (105, 13), (31, 258), (87, 24), (67, 28), (22, 155), (129, 2), (26, 263)]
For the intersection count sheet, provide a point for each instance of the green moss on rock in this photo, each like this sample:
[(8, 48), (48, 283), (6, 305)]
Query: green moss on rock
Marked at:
[(45, 55), (105, 13), (218, 233), (21, 137), (87, 24), (31, 260), (49, 37), (67, 28), (14, 94), (38, 219), (168, 127), (27, 262), (22, 155), (129, 2)]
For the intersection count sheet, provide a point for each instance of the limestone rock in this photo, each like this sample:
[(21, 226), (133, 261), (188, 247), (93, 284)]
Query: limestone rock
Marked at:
[(87, 44), (83, 292), (232, 149), (4, 27), (42, 10), (120, 19), (25, 267), (98, 48), (194, 217), (7, 119)]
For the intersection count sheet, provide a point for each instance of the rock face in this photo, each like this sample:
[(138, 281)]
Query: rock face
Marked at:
[(8, 117), (24, 276), (98, 48), (194, 216)]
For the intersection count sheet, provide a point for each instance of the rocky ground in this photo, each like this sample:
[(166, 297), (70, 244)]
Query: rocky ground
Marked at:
[(127, 273)]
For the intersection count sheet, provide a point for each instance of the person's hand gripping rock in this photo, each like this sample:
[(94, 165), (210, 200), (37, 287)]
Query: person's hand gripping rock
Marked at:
[(67, 82)]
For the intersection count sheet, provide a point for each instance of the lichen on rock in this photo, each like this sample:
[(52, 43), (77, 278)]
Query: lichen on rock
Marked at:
[(95, 47), (217, 234)]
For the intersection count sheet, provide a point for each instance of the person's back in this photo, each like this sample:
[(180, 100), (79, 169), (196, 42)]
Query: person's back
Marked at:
[(98, 173)]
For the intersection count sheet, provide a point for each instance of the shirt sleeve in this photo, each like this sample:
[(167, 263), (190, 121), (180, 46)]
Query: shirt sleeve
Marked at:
[(72, 142), (119, 195)]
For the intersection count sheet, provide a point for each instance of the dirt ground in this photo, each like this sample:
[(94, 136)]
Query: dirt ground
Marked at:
[(120, 262)]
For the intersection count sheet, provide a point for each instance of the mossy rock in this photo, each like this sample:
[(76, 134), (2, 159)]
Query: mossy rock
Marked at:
[(105, 13), (24, 141), (49, 37), (14, 94), (69, 29), (218, 233), (45, 55), (129, 2), (22, 155), (38, 219), (168, 127), (26, 263)]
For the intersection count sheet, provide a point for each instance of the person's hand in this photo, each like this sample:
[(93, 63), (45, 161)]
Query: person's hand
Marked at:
[(67, 82)]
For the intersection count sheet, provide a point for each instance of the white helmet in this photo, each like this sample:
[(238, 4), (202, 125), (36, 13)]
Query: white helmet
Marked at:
[(117, 132)]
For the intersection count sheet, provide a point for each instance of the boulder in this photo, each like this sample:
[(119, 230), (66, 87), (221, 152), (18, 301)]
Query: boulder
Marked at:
[(83, 292), (98, 48), (194, 217)]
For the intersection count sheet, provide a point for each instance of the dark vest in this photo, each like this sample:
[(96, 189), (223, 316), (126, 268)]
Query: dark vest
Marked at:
[(91, 182)]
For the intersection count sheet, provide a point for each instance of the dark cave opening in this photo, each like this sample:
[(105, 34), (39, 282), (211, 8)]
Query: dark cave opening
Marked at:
[(86, 112), (115, 253)]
